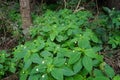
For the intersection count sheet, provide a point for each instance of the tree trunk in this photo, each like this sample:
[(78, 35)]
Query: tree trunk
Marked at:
[(26, 15)]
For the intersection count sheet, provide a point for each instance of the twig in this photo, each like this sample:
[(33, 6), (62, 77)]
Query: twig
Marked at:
[(76, 9), (97, 6), (64, 3)]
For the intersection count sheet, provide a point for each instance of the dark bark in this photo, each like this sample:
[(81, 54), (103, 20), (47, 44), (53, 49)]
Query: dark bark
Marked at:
[(25, 14)]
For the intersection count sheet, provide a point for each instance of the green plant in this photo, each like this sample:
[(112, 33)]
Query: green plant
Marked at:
[(106, 26), (113, 27), (7, 65), (62, 49), (117, 77)]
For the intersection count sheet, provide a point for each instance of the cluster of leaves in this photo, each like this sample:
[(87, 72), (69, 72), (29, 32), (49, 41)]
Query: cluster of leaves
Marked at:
[(7, 64), (113, 27), (62, 49), (107, 25)]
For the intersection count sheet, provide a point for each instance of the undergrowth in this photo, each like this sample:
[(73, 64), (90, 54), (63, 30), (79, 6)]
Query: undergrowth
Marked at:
[(64, 46)]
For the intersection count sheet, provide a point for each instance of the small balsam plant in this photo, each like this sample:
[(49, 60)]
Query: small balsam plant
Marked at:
[(62, 49)]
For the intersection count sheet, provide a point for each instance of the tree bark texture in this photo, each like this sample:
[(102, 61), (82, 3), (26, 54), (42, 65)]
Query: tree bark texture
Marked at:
[(25, 13)]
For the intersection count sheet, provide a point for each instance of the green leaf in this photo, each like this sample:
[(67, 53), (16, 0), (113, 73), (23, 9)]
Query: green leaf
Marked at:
[(40, 46), (69, 78), (87, 63), (23, 75), (98, 72), (59, 38), (101, 78), (75, 56), (83, 42), (12, 69), (53, 35), (45, 53), (67, 71), (99, 57), (90, 53), (27, 56), (96, 63), (90, 78), (93, 54), (69, 32), (109, 71), (44, 77), (27, 64), (48, 60), (38, 69), (57, 73), (106, 9), (34, 77), (117, 77), (35, 58), (94, 38), (18, 54), (59, 61), (77, 66), (78, 77), (1, 66)]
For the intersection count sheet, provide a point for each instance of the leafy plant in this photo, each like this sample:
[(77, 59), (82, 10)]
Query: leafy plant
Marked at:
[(62, 49), (7, 65), (113, 27), (106, 26)]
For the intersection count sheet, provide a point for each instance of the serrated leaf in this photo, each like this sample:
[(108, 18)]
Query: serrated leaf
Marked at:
[(90, 53), (98, 72), (23, 76), (40, 46), (75, 56), (38, 69), (84, 72), (18, 54), (99, 57), (57, 73), (59, 38), (59, 61), (34, 77), (109, 71), (67, 71), (35, 58), (45, 53), (101, 78), (53, 35), (69, 32), (87, 63), (96, 62), (94, 38), (12, 69), (83, 42), (48, 60), (78, 77), (77, 66), (27, 64)]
